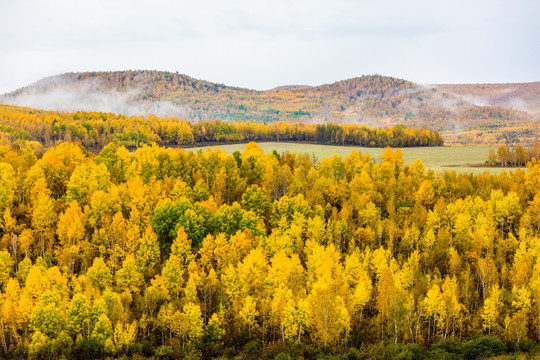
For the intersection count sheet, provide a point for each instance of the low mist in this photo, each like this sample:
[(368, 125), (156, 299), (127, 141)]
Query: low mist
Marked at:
[(92, 95)]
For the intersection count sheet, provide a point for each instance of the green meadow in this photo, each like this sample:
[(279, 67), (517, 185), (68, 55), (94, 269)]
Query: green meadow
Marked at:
[(439, 158)]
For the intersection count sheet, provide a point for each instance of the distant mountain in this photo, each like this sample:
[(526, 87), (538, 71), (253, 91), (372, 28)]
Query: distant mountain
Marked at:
[(374, 100)]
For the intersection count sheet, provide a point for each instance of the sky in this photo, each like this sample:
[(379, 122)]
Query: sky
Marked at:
[(261, 44)]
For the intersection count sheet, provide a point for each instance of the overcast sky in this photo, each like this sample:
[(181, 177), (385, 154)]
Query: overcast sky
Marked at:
[(261, 44)]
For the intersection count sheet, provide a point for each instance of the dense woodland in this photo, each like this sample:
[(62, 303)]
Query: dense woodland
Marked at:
[(166, 253), (95, 130), (373, 100)]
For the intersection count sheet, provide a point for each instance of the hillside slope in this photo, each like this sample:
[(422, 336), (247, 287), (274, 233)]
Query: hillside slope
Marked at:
[(373, 100), (172, 94)]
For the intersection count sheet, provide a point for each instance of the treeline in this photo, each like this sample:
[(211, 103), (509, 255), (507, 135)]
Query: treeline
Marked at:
[(166, 253), (95, 130), (513, 156)]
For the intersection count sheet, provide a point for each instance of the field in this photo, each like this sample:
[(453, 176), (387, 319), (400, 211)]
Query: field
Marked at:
[(440, 158)]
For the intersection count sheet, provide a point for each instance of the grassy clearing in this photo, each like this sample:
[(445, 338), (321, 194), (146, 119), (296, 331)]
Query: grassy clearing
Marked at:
[(438, 158)]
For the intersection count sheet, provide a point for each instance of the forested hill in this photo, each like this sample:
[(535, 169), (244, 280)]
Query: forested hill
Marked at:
[(172, 94), (372, 100)]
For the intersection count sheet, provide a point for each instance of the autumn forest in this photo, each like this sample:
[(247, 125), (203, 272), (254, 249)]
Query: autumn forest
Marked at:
[(117, 243), (96, 129)]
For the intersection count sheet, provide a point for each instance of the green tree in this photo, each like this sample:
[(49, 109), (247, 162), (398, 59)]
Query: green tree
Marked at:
[(79, 316), (99, 274), (256, 199)]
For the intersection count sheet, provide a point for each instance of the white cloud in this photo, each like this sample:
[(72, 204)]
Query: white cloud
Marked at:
[(262, 44)]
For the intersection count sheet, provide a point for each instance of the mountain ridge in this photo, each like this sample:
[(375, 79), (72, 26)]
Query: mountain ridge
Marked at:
[(374, 100)]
